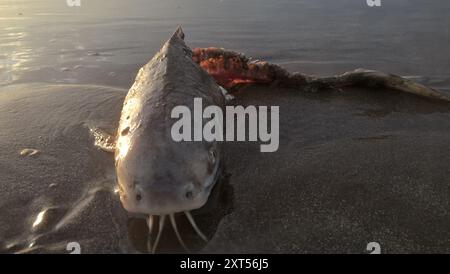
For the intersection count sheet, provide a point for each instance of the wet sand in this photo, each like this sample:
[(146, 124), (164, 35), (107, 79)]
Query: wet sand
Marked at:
[(353, 167)]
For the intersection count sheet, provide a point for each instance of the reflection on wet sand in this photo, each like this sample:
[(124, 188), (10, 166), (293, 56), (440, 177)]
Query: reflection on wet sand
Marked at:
[(16, 55)]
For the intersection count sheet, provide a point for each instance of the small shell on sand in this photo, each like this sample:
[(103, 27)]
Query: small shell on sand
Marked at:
[(29, 152)]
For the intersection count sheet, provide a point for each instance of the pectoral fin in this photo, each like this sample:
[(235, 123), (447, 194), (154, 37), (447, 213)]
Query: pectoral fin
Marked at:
[(103, 140)]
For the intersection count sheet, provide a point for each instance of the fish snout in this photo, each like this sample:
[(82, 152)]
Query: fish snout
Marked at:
[(163, 199)]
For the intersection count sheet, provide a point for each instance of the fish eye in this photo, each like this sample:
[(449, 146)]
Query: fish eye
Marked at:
[(189, 194)]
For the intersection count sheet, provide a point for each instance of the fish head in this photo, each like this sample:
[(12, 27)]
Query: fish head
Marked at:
[(159, 177)]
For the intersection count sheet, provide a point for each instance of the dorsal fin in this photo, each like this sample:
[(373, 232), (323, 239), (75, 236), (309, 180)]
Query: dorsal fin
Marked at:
[(178, 33)]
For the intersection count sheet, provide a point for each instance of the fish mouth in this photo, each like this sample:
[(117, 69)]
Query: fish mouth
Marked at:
[(162, 215), (152, 246)]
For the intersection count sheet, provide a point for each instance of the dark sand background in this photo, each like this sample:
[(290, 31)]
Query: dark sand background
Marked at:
[(353, 167)]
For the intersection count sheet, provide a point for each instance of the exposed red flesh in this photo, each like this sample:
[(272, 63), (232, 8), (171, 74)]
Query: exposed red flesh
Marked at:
[(230, 68)]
